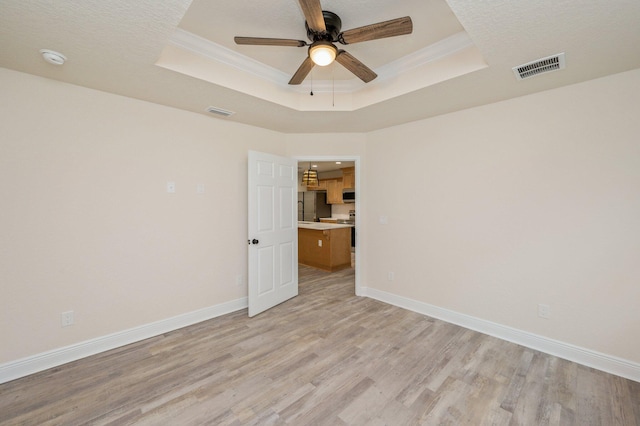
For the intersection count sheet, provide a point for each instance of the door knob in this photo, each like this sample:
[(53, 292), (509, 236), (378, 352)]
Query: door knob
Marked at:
[(254, 241)]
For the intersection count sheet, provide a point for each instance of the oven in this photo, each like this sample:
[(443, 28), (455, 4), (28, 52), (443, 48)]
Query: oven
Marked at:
[(351, 221)]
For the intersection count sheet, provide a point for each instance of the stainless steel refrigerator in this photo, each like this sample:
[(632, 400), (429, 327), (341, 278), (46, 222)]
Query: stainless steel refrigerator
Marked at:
[(312, 205)]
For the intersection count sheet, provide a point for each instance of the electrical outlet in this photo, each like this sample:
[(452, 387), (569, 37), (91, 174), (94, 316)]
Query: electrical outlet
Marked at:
[(544, 311), (200, 188), (319, 243), (391, 276), (66, 319), (239, 280), (171, 187)]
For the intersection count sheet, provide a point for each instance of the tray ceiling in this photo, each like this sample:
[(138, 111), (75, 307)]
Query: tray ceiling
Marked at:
[(460, 55)]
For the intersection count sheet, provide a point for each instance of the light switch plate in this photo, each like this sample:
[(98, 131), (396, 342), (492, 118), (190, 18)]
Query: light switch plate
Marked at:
[(171, 187)]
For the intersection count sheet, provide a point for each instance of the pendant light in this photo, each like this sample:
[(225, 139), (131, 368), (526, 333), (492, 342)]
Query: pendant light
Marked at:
[(310, 177)]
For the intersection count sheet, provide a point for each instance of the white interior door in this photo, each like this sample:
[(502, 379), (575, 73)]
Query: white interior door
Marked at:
[(273, 231)]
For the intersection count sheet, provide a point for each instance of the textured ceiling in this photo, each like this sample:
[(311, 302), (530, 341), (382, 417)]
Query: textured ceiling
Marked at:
[(114, 46), (220, 21), (437, 50)]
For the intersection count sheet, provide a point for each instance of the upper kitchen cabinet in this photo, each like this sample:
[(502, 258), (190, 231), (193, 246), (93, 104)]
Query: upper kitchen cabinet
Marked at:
[(334, 181), (334, 191), (349, 178)]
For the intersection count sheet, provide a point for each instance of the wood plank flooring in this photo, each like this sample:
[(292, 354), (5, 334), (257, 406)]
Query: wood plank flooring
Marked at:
[(325, 357)]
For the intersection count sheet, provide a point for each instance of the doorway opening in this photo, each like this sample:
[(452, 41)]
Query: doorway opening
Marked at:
[(339, 176)]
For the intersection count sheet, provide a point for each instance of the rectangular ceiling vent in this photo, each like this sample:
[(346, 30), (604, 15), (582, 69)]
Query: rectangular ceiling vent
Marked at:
[(219, 111), (540, 66)]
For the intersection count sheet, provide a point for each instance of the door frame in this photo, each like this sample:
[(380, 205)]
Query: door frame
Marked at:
[(359, 221)]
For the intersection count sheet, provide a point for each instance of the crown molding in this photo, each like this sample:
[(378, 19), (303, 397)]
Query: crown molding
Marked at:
[(428, 54), (216, 52), (204, 47)]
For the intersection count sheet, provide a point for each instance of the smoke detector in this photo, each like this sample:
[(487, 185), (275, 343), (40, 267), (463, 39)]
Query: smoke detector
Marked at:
[(540, 66), (53, 57)]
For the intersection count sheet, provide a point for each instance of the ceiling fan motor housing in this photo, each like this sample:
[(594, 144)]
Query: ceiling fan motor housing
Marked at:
[(333, 25)]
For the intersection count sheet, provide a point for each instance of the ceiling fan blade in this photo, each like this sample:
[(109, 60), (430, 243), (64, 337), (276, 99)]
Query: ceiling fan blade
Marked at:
[(361, 71), (394, 27), (302, 72), (313, 14), (259, 41)]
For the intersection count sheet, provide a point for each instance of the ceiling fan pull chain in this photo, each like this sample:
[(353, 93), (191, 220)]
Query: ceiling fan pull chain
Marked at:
[(311, 94), (333, 86)]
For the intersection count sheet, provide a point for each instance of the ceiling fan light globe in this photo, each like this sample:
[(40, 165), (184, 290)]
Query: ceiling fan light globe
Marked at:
[(322, 53)]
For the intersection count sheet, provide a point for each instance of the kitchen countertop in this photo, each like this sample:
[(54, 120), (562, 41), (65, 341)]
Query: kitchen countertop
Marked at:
[(322, 226)]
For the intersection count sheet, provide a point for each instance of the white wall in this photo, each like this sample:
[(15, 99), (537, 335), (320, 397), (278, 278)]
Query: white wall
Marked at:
[(86, 223), (332, 145), (491, 211), (496, 209)]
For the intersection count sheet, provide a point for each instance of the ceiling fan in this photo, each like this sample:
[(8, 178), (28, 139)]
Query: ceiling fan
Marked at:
[(323, 29)]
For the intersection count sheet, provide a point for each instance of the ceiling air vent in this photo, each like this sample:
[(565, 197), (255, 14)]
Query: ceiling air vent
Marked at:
[(540, 66), (219, 111)]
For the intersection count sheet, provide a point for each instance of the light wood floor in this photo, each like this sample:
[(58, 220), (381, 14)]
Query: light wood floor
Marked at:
[(323, 358)]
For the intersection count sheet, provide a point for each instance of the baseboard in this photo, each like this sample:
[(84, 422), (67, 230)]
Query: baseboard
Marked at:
[(610, 364), (33, 364)]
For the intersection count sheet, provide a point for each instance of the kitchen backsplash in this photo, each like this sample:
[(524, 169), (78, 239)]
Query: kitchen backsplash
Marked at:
[(341, 211)]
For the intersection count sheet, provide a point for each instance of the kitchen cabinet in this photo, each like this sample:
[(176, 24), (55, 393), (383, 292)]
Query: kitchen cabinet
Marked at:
[(349, 178), (327, 248), (334, 191), (334, 186)]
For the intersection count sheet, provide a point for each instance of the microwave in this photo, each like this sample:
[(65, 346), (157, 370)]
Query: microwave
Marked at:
[(348, 196)]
